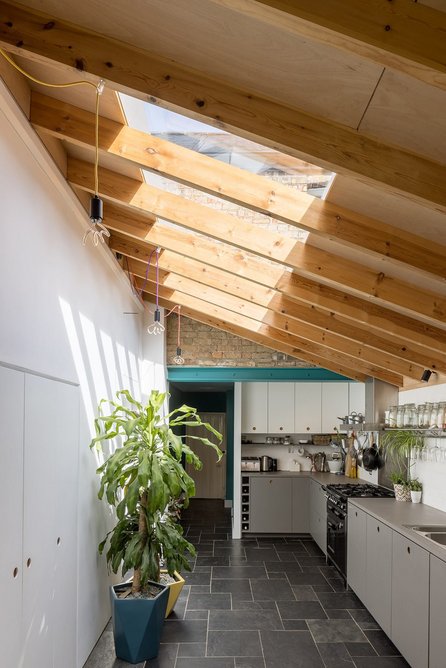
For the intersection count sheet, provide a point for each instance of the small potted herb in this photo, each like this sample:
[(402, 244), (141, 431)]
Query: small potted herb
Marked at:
[(400, 486), (416, 489)]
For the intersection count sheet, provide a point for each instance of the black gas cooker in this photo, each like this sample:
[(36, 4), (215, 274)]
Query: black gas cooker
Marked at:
[(337, 497)]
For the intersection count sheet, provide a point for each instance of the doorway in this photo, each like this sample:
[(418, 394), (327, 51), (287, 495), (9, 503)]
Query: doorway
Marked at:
[(210, 480)]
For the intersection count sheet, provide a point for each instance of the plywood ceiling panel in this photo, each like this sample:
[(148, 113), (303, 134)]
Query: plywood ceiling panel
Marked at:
[(396, 211), (124, 167), (408, 113), (217, 41)]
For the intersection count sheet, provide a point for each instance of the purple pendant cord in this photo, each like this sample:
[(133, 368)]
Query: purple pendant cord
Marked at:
[(147, 274)]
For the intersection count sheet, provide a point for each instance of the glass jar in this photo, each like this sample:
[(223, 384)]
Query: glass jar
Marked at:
[(434, 415), (427, 416), (400, 417), (392, 416), (410, 416), (420, 414), (441, 420)]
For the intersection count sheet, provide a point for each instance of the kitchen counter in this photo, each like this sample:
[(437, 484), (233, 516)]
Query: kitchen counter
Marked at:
[(397, 514)]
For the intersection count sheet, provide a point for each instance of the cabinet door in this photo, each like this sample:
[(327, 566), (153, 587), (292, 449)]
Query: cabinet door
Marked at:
[(11, 501), (437, 613), (300, 505), (379, 572), (356, 550), (410, 601), (356, 398), (307, 408), (270, 505), (334, 405), (280, 408), (254, 408)]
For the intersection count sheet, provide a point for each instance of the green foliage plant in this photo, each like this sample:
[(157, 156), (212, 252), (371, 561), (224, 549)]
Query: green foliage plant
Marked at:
[(415, 485), (399, 446), (142, 478)]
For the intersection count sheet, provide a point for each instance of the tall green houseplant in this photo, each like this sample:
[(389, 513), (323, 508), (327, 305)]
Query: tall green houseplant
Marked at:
[(141, 478)]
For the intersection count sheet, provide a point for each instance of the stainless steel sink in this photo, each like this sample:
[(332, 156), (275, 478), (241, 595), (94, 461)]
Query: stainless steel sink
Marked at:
[(434, 532), (439, 538)]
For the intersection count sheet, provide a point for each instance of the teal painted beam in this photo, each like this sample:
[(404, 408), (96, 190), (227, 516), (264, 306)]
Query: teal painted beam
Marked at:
[(238, 374)]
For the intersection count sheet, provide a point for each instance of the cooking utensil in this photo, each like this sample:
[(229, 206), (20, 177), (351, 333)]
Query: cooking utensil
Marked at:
[(319, 461), (381, 459), (370, 458)]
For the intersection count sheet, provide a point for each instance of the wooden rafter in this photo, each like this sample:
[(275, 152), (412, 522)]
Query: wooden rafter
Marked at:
[(353, 310), (304, 349), (242, 112), (237, 185), (407, 37), (304, 259), (195, 278)]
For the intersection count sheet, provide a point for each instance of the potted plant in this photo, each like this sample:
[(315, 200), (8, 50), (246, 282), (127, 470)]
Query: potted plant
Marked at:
[(400, 486), (416, 489), (143, 479), (399, 447)]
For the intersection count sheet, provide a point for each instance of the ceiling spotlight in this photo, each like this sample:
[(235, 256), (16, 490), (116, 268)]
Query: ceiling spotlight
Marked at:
[(178, 359), (156, 327), (427, 373)]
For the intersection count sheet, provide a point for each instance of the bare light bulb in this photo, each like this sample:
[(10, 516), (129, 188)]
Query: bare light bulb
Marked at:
[(157, 326), (178, 359)]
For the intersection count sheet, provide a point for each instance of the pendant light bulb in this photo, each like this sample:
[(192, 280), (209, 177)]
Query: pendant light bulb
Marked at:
[(157, 326), (96, 210), (178, 359)]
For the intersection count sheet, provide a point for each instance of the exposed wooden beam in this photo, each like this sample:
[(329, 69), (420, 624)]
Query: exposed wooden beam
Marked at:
[(307, 350), (196, 278), (356, 311), (242, 112), (407, 37), (303, 258), (255, 192)]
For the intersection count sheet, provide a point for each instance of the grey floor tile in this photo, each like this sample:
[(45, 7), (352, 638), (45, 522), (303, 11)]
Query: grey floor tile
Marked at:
[(304, 593), (295, 625), (234, 643), (290, 648), (191, 649), (381, 643), (166, 658), (233, 586), (211, 561), (272, 590), (234, 620), (198, 578), (209, 601), (339, 600), (261, 554), (335, 630), (360, 649), (286, 557), (238, 572), (196, 614), (296, 578), (187, 630), (204, 662), (310, 561), (364, 619), (301, 610), (103, 655), (335, 655), (338, 614), (248, 662), (380, 662), (325, 588), (206, 569)]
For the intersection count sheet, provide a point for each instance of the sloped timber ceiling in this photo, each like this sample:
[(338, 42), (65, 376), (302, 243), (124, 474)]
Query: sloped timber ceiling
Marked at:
[(365, 295)]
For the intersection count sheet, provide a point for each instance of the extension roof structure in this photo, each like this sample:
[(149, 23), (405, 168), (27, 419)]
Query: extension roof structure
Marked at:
[(356, 89)]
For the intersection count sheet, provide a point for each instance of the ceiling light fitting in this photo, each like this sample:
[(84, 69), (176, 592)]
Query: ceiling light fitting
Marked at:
[(97, 230), (425, 376), (157, 326), (178, 358)]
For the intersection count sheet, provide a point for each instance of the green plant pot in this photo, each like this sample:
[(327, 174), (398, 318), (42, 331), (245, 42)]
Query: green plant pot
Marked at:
[(138, 623)]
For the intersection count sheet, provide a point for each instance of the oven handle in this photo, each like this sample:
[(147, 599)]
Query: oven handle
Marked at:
[(330, 549), (331, 525)]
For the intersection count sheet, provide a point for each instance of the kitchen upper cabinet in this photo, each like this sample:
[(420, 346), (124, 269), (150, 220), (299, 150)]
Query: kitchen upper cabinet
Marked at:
[(281, 408), (357, 550), (437, 626), (356, 398), (318, 515), (334, 405), (255, 408), (307, 408), (300, 505), (378, 589), (410, 601), (270, 504)]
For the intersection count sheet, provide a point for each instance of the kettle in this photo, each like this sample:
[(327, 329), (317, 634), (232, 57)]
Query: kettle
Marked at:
[(319, 461), (266, 463)]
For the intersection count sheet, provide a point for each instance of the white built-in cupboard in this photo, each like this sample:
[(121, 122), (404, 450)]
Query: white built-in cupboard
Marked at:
[(39, 439), (298, 407)]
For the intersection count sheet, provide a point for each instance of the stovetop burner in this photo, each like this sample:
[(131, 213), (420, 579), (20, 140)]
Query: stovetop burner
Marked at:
[(347, 490)]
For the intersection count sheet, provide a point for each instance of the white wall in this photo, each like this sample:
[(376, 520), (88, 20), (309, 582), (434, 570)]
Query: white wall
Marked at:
[(431, 473), (66, 312)]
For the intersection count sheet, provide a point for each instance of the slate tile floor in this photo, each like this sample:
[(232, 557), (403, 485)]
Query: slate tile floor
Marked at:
[(260, 602)]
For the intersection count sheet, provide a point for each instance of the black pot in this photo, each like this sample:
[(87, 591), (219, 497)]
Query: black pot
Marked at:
[(370, 458)]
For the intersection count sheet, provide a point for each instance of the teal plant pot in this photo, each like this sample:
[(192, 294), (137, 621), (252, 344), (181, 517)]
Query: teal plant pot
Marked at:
[(138, 623)]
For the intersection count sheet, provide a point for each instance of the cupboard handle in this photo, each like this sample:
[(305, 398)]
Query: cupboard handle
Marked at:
[(28, 562), (356, 513), (15, 572), (308, 428), (254, 428), (280, 428), (377, 528), (58, 540), (408, 549)]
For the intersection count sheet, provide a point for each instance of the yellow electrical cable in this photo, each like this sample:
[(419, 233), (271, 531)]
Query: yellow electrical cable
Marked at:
[(82, 82)]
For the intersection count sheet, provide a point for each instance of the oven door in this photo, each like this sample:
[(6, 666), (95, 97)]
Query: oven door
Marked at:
[(336, 539)]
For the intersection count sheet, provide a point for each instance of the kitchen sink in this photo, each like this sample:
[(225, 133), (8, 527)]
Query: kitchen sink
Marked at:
[(439, 538), (434, 532)]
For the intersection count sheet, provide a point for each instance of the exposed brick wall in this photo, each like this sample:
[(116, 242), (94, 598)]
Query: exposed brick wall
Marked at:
[(202, 345)]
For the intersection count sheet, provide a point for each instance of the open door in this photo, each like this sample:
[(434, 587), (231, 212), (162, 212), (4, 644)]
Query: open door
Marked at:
[(210, 482)]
